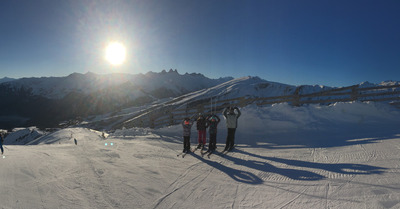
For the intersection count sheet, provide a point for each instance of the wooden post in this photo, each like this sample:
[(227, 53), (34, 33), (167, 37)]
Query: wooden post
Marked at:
[(242, 101), (171, 118), (200, 108), (151, 121)]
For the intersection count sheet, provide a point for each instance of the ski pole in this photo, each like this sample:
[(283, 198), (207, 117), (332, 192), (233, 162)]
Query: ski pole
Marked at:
[(211, 106)]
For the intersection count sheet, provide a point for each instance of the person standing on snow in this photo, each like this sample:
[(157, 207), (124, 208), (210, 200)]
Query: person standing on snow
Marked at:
[(202, 126), (213, 121), (187, 127), (1, 142), (231, 123)]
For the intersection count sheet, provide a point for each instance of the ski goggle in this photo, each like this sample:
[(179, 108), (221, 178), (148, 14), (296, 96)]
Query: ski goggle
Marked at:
[(187, 122)]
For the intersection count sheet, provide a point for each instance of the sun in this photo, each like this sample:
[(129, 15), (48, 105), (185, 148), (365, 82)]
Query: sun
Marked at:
[(115, 53)]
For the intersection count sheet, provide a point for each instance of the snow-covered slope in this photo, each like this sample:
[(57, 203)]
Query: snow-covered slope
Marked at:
[(21, 136), (68, 136), (246, 86), (255, 87), (282, 124), (344, 155)]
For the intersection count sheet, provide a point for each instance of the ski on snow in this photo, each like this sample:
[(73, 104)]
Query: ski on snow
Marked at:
[(203, 153), (210, 153), (182, 154), (201, 148), (226, 151), (223, 153)]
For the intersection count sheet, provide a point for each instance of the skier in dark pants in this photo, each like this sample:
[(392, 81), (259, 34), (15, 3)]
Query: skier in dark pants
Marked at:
[(213, 121), (231, 123), (187, 126), (202, 125), (1, 142)]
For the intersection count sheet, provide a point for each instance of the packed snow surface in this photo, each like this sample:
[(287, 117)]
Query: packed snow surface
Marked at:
[(344, 155)]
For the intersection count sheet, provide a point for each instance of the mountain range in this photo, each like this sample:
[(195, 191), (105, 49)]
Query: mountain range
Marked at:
[(47, 101)]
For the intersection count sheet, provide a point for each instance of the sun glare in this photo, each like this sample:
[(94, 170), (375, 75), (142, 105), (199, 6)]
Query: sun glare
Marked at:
[(115, 53)]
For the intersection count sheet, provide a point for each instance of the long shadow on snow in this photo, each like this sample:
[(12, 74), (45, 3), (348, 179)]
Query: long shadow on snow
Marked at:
[(237, 175), (250, 178), (342, 168), (294, 174)]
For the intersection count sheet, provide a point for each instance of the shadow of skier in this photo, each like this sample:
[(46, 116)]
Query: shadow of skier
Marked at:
[(342, 168), (294, 174)]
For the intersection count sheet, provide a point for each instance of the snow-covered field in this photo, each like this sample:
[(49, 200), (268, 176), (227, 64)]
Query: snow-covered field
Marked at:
[(346, 155)]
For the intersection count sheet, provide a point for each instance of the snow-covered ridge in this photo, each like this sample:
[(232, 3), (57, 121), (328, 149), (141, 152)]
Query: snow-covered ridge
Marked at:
[(21, 136), (6, 79), (58, 87), (249, 87)]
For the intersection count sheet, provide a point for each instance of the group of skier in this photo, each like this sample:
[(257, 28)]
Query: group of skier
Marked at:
[(231, 115)]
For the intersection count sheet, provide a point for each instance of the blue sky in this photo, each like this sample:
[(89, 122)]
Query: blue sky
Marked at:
[(335, 43)]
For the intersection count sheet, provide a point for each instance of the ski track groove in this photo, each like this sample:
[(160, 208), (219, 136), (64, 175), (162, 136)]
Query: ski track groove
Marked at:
[(235, 196), (200, 181), (343, 184), (296, 192), (99, 179), (369, 155), (36, 183), (326, 195), (178, 188), (294, 199), (184, 174), (313, 154), (180, 177)]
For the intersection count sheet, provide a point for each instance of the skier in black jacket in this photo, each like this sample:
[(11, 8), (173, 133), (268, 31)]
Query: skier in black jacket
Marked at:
[(213, 121), (202, 125)]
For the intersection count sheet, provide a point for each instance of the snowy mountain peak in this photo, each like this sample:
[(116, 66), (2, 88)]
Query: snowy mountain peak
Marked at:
[(6, 79), (367, 84)]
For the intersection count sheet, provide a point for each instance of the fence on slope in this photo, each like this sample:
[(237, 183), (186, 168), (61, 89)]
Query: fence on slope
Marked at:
[(172, 114)]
